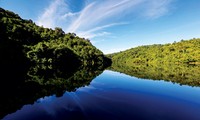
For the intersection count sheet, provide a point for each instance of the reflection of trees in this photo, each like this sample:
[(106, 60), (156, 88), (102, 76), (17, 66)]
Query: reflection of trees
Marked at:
[(22, 43), (21, 87), (65, 79), (181, 74)]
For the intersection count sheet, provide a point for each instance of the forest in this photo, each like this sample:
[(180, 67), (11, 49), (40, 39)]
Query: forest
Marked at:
[(22, 41), (178, 62), (37, 61), (183, 52)]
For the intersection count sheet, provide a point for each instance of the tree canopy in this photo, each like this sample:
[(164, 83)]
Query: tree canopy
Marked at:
[(183, 52), (24, 41)]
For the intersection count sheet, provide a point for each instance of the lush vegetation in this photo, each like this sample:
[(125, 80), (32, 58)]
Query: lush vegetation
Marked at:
[(23, 41), (183, 52), (182, 74), (49, 61), (37, 61), (177, 62)]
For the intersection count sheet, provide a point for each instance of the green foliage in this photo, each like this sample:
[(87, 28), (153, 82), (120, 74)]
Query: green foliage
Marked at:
[(177, 62), (51, 56), (23, 41), (52, 52), (183, 52)]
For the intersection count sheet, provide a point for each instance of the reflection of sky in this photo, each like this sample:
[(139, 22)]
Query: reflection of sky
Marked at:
[(117, 96), (150, 87)]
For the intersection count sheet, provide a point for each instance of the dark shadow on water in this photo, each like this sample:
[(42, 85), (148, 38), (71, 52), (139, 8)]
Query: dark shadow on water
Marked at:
[(182, 74), (22, 84)]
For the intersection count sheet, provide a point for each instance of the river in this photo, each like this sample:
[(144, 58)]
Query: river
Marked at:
[(116, 96)]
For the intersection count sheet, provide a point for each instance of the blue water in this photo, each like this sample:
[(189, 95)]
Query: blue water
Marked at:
[(116, 96)]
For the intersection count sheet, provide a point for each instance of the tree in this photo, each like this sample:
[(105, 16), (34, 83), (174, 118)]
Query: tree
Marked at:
[(59, 32)]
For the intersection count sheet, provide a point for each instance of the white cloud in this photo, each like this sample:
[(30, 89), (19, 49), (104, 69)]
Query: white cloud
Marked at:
[(93, 35), (97, 41), (92, 32), (157, 8), (106, 26), (97, 15), (69, 15), (52, 13)]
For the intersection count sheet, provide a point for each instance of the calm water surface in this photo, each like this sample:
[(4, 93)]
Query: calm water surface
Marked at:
[(116, 96)]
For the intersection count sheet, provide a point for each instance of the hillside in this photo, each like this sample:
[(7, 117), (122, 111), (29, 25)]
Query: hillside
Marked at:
[(37, 61), (183, 52), (177, 62), (22, 41)]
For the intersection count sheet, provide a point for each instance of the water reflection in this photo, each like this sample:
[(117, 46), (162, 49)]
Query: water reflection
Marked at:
[(24, 85), (181, 74), (40, 92), (115, 96)]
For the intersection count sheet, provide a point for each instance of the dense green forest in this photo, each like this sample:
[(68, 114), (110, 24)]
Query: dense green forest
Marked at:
[(177, 62), (22, 41), (37, 62), (183, 52)]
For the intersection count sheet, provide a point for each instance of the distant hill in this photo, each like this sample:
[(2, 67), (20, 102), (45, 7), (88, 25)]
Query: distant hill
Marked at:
[(183, 52), (22, 41), (178, 62)]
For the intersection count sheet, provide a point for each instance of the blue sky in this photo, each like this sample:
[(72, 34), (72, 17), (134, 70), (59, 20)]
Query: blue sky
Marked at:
[(115, 25)]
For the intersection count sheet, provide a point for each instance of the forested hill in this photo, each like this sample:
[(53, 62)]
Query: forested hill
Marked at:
[(23, 41), (183, 52)]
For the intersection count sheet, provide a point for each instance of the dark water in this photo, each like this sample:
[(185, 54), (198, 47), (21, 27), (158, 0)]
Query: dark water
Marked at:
[(116, 96)]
